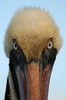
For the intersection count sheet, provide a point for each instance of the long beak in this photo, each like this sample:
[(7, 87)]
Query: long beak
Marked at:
[(38, 81), (34, 83), (31, 80)]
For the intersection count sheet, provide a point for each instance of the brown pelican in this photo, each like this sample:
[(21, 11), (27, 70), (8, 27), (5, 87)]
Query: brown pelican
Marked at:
[(32, 42)]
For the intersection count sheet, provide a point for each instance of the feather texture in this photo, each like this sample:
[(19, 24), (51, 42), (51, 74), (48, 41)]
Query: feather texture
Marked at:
[(32, 27)]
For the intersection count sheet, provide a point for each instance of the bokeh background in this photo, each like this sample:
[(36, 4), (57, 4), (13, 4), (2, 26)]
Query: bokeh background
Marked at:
[(57, 9)]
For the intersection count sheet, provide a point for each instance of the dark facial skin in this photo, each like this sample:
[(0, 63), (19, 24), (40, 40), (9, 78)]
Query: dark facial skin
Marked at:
[(18, 58)]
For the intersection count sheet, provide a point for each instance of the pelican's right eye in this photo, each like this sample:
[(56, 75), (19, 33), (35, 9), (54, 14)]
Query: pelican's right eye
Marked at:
[(15, 45)]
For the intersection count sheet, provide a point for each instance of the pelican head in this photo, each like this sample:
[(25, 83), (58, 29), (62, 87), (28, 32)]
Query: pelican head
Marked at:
[(32, 42)]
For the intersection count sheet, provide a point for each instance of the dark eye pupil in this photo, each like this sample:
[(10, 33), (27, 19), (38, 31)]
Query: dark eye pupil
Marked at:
[(49, 44), (15, 45)]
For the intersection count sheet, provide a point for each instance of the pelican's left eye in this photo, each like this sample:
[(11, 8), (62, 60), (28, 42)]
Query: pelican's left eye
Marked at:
[(50, 45), (15, 45)]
